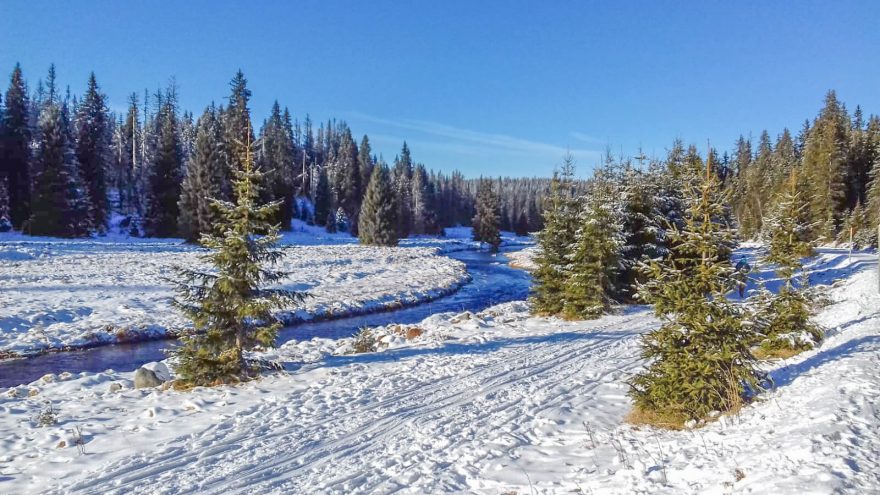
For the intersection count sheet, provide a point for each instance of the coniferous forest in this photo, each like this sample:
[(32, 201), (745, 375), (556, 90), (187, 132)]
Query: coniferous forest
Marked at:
[(69, 165)]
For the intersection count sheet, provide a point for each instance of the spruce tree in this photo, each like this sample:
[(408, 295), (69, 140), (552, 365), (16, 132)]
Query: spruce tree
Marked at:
[(377, 222), (785, 317), (206, 177), (699, 360), (402, 180), (15, 154), (594, 259), (365, 161), (276, 158), (824, 166), (230, 306), (486, 221), (92, 150), (641, 229), (166, 173), (323, 200), (554, 242), (424, 217), (59, 206)]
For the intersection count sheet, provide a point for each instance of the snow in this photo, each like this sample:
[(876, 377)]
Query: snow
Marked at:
[(492, 402), (61, 294), (524, 258)]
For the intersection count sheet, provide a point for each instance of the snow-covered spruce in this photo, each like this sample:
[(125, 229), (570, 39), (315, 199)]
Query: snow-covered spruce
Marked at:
[(484, 403)]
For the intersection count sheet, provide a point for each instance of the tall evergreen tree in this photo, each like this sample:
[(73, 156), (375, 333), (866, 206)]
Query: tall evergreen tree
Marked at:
[(378, 216), (699, 359), (323, 199), (276, 158), (594, 258), (348, 176), (365, 161), (15, 155), (230, 306), (487, 218), (823, 162), (206, 177), (93, 149), (59, 204), (554, 242), (402, 179), (166, 173)]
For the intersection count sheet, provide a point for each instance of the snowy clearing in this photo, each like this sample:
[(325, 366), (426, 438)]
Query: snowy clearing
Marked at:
[(77, 293), (486, 403)]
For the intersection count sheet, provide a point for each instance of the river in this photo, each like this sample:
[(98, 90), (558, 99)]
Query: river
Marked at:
[(493, 282)]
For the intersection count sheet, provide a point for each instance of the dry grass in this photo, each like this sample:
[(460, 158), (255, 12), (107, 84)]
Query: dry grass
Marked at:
[(644, 417), (764, 354)]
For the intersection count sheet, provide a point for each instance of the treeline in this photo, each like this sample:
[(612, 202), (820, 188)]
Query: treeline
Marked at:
[(833, 160), (67, 164)]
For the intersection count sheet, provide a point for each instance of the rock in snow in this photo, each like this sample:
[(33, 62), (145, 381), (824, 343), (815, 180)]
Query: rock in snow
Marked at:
[(144, 378)]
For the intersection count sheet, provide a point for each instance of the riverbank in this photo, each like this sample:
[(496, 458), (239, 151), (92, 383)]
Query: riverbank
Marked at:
[(62, 295)]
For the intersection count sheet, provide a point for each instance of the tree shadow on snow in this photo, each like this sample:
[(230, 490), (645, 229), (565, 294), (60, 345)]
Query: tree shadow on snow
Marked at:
[(786, 375)]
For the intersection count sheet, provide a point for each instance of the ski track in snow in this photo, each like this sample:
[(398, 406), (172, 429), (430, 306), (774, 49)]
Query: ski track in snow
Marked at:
[(490, 403)]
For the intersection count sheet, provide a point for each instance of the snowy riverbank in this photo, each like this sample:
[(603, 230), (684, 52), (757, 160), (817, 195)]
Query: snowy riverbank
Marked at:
[(487, 403), (60, 294)]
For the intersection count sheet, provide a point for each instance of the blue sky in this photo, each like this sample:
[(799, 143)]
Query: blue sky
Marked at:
[(486, 87)]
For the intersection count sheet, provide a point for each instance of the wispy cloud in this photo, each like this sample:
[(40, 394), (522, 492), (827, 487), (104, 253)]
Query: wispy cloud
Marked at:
[(486, 142), (586, 138)]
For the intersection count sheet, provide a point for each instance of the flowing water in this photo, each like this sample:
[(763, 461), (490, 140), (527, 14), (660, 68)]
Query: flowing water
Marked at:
[(493, 282)]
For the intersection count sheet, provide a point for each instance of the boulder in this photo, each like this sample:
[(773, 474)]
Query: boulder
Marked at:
[(159, 368), (144, 378)]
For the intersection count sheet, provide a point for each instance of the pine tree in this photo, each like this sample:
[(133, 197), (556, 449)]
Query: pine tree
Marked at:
[(230, 306), (784, 317), (166, 173), (402, 180), (554, 242), (593, 260), (323, 201), (92, 150), (640, 228), (276, 158), (365, 161), (15, 155), (487, 218), (699, 359), (378, 217), (823, 162), (424, 217), (349, 178), (207, 173), (59, 203)]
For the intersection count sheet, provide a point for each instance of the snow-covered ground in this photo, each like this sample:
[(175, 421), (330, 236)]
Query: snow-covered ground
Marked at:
[(489, 403), (524, 258), (75, 293)]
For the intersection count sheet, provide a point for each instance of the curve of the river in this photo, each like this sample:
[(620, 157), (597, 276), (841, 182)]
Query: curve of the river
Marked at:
[(493, 282)]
